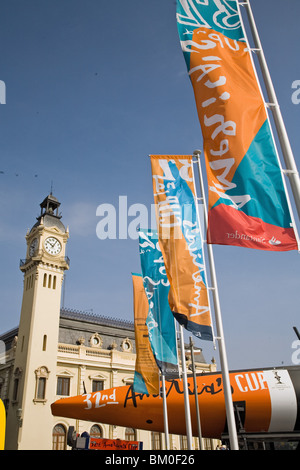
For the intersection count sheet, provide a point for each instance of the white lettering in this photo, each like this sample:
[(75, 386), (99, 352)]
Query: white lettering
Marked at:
[(296, 354), (205, 44), (88, 401), (228, 127), (262, 381), (237, 202), (224, 147), (107, 227), (220, 82), (140, 221), (296, 94), (252, 382), (227, 164), (206, 69), (2, 92), (208, 102), (238, 382)]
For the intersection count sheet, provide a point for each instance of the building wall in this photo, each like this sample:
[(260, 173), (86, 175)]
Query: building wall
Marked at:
[(97, 350)]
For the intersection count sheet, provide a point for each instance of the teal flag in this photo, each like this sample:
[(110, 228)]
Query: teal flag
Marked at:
[(160, 320)]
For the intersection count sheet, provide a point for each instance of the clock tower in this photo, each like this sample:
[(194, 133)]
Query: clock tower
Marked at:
[(34, 374)]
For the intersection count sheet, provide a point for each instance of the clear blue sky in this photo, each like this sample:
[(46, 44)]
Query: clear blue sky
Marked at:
[(94, 87)]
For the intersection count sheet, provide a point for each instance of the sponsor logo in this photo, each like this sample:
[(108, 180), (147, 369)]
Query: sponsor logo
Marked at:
[(242, 236)]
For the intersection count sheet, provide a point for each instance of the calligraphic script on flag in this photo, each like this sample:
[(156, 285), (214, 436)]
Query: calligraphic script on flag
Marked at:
[(180, 241), (247, 199), (146, 376), (160, 321)]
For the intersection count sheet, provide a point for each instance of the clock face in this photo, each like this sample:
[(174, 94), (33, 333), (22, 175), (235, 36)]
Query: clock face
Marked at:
[(33, 246), (52, 246)]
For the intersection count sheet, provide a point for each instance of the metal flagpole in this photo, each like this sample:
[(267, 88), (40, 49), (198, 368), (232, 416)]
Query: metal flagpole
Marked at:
[(186, 392), (201, 447), (165, 411), (291, 168), (219, 325), (166, 425)]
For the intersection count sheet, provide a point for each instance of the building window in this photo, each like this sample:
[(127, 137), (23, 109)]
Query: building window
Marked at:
[(126, 345), (183, 443), (59, 437), (130, 434), (54, 282), (41, 376), (96, 341), (44, 342), (15, 390), (156, 440), (17, 376), (41, 388), (96, 431), (97, 385), (63, 386), (207, 444), (45, 280)]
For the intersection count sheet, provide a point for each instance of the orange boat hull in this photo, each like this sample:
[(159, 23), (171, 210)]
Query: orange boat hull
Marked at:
[(269, 400)]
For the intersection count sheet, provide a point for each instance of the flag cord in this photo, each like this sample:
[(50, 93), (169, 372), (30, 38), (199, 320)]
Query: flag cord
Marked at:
[(166, 426)]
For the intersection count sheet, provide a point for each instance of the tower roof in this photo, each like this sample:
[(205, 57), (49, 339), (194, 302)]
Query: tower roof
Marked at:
[(50, 205), (49, 216)]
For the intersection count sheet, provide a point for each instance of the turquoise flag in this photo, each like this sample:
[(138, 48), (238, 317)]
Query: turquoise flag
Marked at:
[(160, 320)]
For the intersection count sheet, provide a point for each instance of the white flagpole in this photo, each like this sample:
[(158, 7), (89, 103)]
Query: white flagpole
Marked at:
[(186, 392), (165, 410), (291, 168), (166, 425), (200, 439), (219, 325)]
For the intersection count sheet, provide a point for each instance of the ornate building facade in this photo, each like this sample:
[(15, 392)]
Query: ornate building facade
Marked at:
[(57, 352)]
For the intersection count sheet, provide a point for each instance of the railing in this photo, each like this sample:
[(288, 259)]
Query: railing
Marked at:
[(25, 261), (83, 350)]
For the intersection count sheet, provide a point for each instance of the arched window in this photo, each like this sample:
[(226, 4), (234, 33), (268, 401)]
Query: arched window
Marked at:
[(130, 434), (54, 282), (41, 375), (45, 280), (96, 431), (183, 443), (156, 440), (59, 435)]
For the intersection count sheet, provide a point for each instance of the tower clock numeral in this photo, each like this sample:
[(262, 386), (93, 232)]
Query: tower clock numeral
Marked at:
[(52, 246)]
